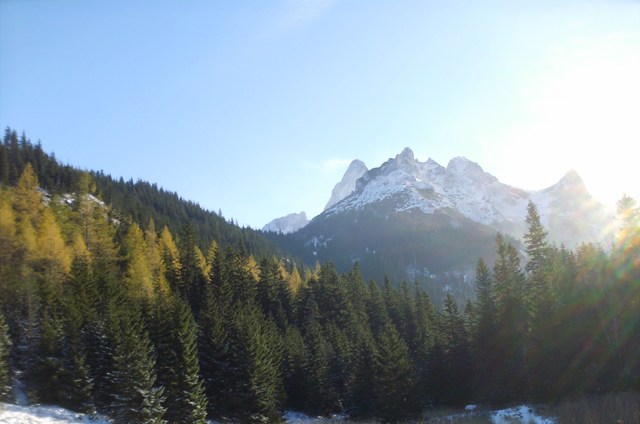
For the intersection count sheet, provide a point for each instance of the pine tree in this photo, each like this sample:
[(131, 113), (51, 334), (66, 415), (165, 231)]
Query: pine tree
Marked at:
[(178, 367), (484, 331), (193, 280), (423, 342), (170, 259), (394, 379), (512, 323), (46, 377), (215, 356), (361, 400), (457, 356), (5, 370), (321, 399), (541, 300), (28, 199), (76, 382), (294, 358), (53, 259), (535, 241), (134, 393), (273, 293)]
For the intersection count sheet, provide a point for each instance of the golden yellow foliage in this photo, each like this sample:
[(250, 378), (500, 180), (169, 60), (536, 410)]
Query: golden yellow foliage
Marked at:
[(138, 276), (52, 255), (27, 197)]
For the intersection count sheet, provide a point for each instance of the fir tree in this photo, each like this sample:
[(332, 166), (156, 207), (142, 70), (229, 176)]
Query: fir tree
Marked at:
[(178, 367), (512, 322), (484, 331), (394, 379), (457, 356), (5, 370), (134, 393), (294, 358), (257, 357), (361, 400), (215, 356)]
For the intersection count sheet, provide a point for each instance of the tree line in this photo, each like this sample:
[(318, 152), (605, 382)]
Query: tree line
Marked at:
[(99, 313), (139, 201)]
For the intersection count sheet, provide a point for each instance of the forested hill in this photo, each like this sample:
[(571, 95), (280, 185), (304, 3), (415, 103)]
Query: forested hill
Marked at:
[(97, 315), (134, 201)]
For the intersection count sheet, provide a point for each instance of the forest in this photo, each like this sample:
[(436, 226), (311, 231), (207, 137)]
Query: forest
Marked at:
[(149, 321)]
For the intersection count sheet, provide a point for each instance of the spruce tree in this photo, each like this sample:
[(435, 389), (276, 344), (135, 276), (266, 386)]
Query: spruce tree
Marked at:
[(135, 397), (484, 335), (215, 356), (5, 370), (259, 386), (395, 383), (178, 368), (294, 358), (76, 383), (457, 356), (361, 400), (46, 378), (512, 323)]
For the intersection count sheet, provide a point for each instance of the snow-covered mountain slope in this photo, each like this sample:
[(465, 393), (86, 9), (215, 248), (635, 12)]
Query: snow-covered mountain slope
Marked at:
[(287, 224), (405, 184), (347, 185)]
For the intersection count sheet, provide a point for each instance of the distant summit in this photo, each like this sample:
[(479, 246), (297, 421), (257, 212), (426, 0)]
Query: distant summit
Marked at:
[(344, 188), (347, 185), (287, 224)]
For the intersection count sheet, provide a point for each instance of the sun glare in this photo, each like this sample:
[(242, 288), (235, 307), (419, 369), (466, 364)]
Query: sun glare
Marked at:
[(582, 113)]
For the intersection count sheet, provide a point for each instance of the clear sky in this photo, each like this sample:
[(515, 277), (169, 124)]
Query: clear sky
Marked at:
[(257, 107)]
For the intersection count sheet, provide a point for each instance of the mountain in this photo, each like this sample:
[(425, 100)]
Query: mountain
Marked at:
[(287, 224), (419, 220), (138, 201), (347, 185), (464, 188)]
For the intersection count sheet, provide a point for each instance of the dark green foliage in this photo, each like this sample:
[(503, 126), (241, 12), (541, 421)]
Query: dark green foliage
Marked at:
[(454, 344), (215, 355), (362, 400), (177, 364), (320, 396), (395, 384), (294, 360), (192, 284), (258, 355), (135, 397), (5, 370), (274, 294)]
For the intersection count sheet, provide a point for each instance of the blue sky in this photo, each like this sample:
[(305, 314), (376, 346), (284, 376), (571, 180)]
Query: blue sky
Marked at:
[(257, 107)]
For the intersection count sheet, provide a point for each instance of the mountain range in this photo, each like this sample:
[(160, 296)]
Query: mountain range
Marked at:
[(422, 219)]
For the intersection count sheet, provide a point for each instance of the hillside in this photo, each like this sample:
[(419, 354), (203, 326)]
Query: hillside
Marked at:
[(138, 201)]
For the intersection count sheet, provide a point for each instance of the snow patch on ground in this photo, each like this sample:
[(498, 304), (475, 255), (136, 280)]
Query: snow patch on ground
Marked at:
[(519, 414), (43, 414), (292, 417)]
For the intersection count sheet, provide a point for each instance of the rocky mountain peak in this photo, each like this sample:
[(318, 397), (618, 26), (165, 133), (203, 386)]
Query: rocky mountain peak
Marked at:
[(287, 224), (347, 185)]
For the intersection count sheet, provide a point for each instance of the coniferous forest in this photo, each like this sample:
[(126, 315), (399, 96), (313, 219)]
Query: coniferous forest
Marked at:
[(146, 308)]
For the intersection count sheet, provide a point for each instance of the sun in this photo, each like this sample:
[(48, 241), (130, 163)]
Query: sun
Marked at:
[(582, 113)]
